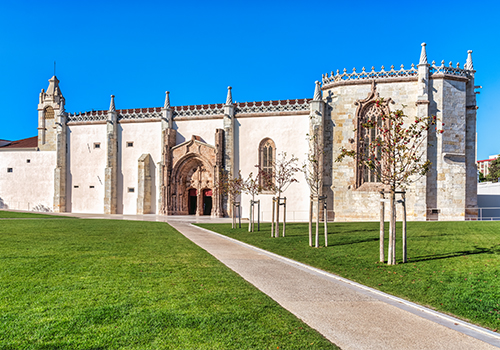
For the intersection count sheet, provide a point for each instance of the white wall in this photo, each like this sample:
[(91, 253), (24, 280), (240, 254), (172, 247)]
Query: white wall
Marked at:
[(86, 166), (289, 135), (29, 184), (203, 128), (147, 139)]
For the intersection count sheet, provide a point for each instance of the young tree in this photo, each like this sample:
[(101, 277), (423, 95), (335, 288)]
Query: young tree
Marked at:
[(278, 180), (312, 169), (494, 171), (252, 187), (230, 186), (396, 155)]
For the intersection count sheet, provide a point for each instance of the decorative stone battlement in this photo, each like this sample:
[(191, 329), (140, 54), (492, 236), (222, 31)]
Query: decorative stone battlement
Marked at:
[(392, 73), (139, 113), (91, 116), (301, 104), (198, 110), (449, 70), (194, 110), (369, 75)]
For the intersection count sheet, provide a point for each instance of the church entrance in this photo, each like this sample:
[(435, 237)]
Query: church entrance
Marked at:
[(207, 202), (192, 201)]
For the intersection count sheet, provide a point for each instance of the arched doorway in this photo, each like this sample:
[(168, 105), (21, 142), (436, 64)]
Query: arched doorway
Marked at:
[(207, 202), (192, 201)]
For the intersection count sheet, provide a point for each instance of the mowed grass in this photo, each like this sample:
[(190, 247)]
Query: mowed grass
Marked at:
[(453, 267), (15, 215), (106, 284)]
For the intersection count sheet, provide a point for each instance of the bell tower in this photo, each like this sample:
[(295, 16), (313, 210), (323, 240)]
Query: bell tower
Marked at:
[(50, 104)]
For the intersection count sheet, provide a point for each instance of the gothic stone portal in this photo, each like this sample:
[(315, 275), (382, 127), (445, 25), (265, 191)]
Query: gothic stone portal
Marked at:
[(192, 179)]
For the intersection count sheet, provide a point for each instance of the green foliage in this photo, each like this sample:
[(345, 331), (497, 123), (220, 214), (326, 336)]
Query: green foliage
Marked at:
[(453, 267), (396, 154), (482, 178), (109, 284), (494, 171)]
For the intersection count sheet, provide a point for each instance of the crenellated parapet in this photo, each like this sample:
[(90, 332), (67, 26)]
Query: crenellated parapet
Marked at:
[(449, 70)]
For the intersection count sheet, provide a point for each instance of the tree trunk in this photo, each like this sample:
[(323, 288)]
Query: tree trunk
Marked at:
[(404, 227), (382, 227), (317, 223), (272, 218), (310, 221), (325, 211), (250, 217), (284, 216), (391, 259), (277, 230)]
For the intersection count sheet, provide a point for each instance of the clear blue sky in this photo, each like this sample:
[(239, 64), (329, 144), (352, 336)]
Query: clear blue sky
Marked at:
[(195, 49)]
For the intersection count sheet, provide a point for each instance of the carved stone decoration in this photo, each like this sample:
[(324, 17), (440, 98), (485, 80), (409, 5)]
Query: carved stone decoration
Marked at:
[(191, 179), (367, 110)]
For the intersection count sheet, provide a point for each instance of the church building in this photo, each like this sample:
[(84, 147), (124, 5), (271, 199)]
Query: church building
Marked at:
[(166, 160)]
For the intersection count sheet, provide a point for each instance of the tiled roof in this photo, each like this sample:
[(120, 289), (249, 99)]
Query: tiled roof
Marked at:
[(31, 142)]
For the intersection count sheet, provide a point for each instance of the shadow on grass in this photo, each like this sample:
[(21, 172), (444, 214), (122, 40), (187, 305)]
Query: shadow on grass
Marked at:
[(330, 244), (478, 250)]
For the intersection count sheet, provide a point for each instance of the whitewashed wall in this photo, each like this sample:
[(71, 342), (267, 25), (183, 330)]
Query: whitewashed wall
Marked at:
[(29, 184), (204, 128), (289, 135), (86, 166), (147, 139)]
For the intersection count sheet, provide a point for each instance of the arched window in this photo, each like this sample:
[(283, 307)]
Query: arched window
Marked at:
[(49, 113), (371, 113), (267, 155)]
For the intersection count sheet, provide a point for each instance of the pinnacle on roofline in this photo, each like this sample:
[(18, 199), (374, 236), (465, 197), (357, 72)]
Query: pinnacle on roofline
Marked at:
[(229, 99), (317, 92), (423, 55), (112, 104), (167, 100), (468, 64)]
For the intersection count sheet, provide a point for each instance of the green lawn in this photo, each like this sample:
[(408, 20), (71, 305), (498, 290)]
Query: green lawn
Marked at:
[(109, 284), (454, 267), (14, 215)]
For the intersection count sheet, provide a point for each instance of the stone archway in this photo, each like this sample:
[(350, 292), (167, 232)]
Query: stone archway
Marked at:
[(190, 176)]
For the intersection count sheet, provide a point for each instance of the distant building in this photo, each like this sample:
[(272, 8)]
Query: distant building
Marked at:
[(484, 165), (166, 160)]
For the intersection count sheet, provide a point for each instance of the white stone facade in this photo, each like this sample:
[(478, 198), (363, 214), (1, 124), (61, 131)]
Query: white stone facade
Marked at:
[(165, 160)]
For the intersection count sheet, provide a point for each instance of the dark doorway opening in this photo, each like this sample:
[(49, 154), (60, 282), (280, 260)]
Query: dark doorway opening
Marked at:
[(207, 202), (192, 201)]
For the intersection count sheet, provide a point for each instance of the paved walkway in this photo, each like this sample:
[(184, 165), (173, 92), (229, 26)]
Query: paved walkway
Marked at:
[(348, 314)]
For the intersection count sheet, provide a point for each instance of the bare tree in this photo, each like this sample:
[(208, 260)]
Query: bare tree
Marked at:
[(278, 181), (396, 156), (252, 186), (312, 169), (231, 186)]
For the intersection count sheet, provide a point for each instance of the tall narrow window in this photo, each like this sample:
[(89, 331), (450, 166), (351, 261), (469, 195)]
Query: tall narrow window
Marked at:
[(267, 153), (367, 135)]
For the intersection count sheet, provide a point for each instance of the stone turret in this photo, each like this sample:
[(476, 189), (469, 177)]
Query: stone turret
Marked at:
[(50, 103), (110, 172), (168, 139)]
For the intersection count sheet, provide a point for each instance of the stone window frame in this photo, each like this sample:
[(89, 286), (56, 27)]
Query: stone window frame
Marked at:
[(97, 145), (265, 164), (129, 144), (48, 112), (364, 106)]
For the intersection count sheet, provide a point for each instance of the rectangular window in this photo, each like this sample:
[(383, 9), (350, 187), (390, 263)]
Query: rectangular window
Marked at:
[(91, 186), (9, 170), (28, 160), (97, 145), (76, 186), (130, 144), (131, 190)]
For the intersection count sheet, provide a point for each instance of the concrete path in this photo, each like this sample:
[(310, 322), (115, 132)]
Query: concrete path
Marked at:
[(346, 313), (350, 315)]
